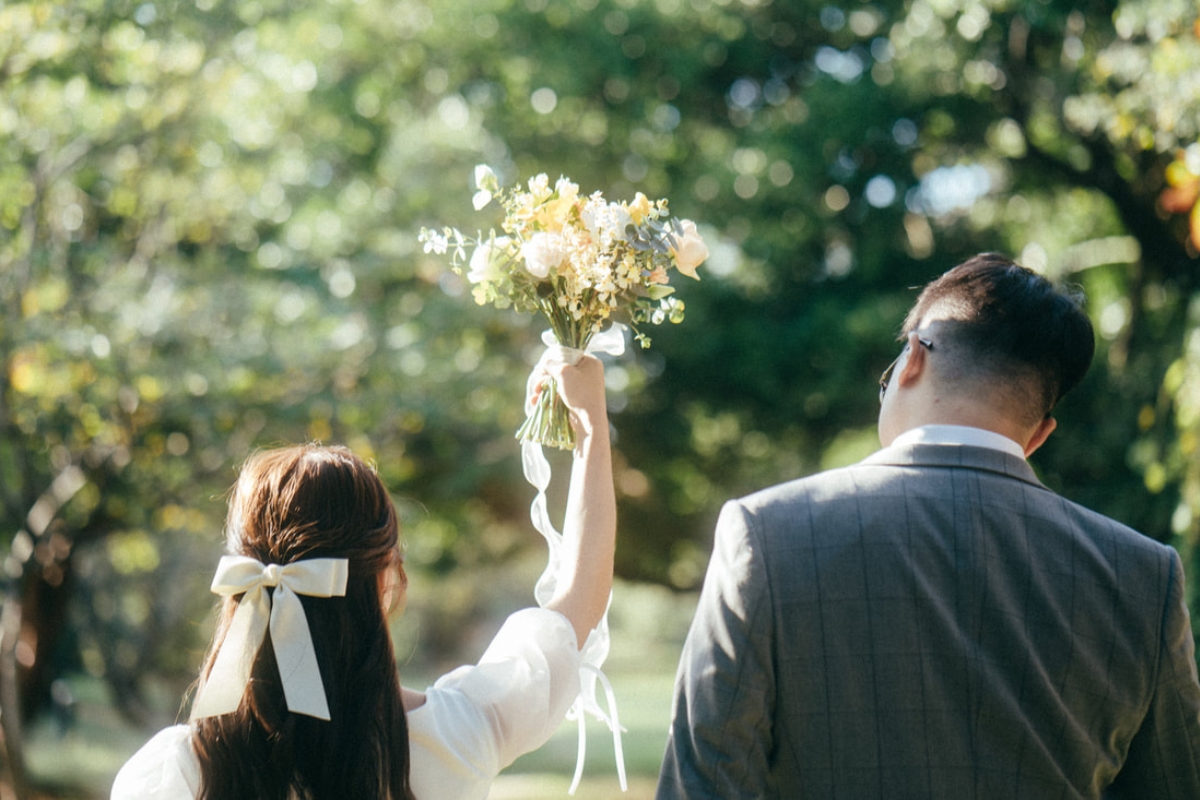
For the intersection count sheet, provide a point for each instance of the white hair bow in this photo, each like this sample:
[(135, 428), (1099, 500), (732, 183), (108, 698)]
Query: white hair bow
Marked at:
[(221, 692)]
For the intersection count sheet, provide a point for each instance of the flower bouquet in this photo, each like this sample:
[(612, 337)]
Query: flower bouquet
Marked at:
[(582, 262)]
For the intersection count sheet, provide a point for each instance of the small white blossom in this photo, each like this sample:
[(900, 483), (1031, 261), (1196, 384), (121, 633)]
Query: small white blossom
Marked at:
[(436, 243)]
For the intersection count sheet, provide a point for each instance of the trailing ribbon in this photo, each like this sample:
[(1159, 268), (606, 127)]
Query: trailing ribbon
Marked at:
[(537, 472), (613, 724), (291, 639)]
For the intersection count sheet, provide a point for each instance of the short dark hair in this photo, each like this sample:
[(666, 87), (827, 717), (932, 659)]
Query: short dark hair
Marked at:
[(1007, 321)]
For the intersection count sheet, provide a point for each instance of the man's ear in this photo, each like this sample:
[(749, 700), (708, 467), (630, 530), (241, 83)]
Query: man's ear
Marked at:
[(1040, 434), (915, 361)]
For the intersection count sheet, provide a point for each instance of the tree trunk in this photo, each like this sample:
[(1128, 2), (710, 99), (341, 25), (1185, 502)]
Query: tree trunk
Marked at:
[(10, 703), (15, 649)]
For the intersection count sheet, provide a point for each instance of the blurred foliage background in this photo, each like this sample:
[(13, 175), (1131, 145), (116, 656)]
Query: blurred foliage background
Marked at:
[(208, 218)]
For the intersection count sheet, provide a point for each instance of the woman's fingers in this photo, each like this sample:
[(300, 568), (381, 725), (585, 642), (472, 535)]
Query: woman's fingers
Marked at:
[(581, 385)]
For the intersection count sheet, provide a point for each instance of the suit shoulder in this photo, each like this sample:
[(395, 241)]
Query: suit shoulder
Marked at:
[(1098, 525), (799, 490)]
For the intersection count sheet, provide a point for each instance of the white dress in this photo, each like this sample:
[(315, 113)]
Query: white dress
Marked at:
[(475, 721)]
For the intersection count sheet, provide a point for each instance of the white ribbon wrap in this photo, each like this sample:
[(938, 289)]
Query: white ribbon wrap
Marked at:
[(537, 472), (291, 639)]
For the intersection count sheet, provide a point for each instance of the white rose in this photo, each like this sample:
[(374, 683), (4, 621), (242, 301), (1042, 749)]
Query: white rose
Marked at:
[(542, 253), (689, 250), (487, 262)]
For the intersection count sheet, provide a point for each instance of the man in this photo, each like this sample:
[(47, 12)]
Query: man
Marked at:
[(933, 622)]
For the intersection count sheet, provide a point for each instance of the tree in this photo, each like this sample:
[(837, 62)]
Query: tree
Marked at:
[(209, 219), (182, 200), (850, 153)]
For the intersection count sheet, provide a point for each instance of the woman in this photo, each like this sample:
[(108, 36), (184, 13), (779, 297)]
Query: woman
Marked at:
[(299, 694)]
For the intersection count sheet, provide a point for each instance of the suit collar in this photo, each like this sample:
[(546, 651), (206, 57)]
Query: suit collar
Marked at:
[(958, 456)]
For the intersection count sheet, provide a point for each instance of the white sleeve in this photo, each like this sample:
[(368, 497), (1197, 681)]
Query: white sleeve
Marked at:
[(164, 769), (537, 655), (478, 719)]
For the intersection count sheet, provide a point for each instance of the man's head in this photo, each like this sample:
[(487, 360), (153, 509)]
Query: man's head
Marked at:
[(1005, 341)]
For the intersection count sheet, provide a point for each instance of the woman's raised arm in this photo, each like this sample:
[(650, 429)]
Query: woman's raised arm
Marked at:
[(590, 525)]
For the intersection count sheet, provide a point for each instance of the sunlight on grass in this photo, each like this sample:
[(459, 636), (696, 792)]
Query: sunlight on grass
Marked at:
[(542, 786), (644, 707)]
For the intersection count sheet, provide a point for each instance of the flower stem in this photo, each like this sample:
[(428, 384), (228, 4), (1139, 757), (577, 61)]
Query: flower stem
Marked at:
[(550, 422)]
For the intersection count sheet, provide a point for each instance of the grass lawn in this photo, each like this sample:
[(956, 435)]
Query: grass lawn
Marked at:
[(643, 704), (79, 761)]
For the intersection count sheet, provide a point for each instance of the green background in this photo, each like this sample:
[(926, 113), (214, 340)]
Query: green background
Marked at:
[(208, 244)]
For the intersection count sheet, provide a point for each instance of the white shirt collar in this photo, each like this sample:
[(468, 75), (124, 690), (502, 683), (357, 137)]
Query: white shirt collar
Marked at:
[(959, 435)]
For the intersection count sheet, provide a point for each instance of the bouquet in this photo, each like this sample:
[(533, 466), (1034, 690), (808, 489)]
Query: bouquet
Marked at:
[(582, 262)]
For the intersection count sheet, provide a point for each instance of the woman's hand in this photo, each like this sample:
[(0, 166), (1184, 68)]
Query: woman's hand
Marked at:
[(581, 387)]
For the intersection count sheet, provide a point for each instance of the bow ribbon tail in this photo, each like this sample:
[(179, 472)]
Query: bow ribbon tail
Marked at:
[(298, 670), (222, 690)]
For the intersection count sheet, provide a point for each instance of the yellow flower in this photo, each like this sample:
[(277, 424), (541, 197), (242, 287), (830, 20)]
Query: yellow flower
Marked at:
[(639, 208), (555, 212)]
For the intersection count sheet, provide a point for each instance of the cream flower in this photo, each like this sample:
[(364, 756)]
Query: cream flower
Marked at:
[(567, 190), (539, 187), (689, 250), (578, 259), (542, 253)]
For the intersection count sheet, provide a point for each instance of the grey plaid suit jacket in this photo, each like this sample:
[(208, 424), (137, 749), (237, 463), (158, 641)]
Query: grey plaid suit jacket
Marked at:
[(934, 623)]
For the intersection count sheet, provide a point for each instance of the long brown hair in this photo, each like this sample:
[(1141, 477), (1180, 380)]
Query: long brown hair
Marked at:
[(296, 503)]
